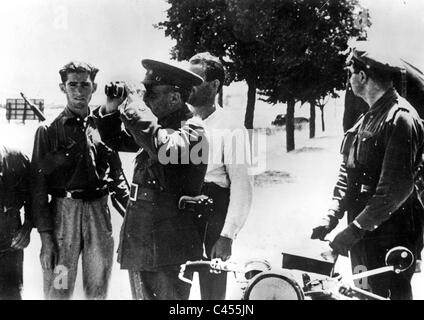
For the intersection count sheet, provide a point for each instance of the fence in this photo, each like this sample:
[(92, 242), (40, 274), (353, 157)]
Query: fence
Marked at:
[(18, 109)]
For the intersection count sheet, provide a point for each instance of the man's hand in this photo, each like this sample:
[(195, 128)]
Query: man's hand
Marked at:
[(21, 240), (113, 103), (49, 253), (346, 239), (222, 248), (328, 224)]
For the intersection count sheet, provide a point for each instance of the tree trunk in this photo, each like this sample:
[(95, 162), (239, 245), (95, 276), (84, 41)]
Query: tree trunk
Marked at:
[(322, 119), (221, 97), (290, 126), (250, 108), (312, 120)]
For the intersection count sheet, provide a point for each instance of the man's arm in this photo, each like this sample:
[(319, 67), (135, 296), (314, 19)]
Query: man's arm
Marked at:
[(42, 217), (22, 237), (337, 207), (117, 184), (111, 131), (241, 183), (236, 157), (169, 145), (396, 183)]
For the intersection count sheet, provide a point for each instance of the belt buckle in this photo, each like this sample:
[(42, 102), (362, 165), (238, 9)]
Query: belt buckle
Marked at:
[(365, 188), (133, 192)]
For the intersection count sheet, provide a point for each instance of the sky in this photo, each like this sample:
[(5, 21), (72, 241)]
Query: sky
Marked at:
[(40, 36), (398, 28)]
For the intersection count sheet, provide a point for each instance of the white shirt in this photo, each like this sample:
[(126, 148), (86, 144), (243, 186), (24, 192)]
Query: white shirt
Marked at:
[(228, 164)]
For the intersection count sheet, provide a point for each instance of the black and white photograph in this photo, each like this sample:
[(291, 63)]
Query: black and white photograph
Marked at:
[(212, 150)]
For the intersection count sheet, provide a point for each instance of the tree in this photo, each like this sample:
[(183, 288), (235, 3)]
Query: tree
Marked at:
[(312, 120), (309, 41), (288, 50), (321, 104), (228, 29)]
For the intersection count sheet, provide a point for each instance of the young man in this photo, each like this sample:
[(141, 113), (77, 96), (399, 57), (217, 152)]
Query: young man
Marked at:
[(376, 186), (156, 236), (14, 237), (227, 180), (71, 165)]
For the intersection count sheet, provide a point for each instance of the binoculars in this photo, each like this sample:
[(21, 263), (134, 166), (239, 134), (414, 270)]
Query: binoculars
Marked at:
[(116, 90)]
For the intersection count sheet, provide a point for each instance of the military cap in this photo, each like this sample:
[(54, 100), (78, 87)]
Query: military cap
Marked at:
[(408, 80), (160, 73), (78, 66), (374, 60)]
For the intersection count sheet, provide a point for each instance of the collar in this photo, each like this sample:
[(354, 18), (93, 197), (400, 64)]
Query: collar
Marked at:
[(387, 99), (176, 117), (67, 115), (214, 114)]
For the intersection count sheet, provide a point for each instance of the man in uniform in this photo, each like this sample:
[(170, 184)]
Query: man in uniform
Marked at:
[(157, 237), (376, 185), (227, 180), (14, 236), (72, 166)]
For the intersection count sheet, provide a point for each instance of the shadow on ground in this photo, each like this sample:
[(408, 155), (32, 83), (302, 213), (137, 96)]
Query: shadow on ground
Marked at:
[(273, 177)]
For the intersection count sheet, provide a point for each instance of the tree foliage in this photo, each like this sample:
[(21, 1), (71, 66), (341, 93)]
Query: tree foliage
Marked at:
[(230, 29), (308, 49), (288, 50)]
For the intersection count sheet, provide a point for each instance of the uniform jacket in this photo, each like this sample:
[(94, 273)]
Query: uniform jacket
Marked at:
[(381, 155), (14, 193), (155, 234)]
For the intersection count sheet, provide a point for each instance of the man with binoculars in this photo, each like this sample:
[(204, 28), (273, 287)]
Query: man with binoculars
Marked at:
[(157, 235)]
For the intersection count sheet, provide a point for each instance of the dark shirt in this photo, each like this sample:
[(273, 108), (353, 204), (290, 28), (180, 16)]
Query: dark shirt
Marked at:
[(68, 156), (382, 153), (14, 193)]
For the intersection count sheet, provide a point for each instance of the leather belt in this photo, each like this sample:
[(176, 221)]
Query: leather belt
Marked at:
[(138, 193), (81, 194), (366, 188)]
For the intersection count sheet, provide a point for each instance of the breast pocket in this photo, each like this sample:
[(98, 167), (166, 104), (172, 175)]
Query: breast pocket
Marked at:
[(367, 148)]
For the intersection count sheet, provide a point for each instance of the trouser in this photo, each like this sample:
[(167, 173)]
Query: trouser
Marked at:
[(11, 269), (370, 254), (11, 261), (81, 227), (213, 286), (158, 285)]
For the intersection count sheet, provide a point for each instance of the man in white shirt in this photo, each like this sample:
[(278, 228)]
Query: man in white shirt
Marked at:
[(227, 180)]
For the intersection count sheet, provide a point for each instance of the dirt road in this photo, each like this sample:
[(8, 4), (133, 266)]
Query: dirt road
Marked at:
[(289, 197)]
